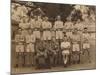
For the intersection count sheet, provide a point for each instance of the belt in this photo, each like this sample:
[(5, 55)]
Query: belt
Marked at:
[(59, 29)]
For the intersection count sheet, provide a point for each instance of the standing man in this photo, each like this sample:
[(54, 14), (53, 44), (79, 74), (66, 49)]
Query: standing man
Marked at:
[(37, 27), (86, 43), (24, 24), (29, 47), (79, 25), (32, 22), (58, 25), (68, 26), (46, 26), (19, 37), (19, 55), (76, 46), (19, 41)]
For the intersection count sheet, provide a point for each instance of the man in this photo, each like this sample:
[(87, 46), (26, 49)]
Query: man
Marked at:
[(29, 43), (32, 22), (41, 55), (37, 27), (15, 14), (58, 25), (46, 26), (55, 50), (22, 11), (68, 26), (19, 37), (65, 47), (79, 25), (19, 55), (85, 43), (76, 44), (24, 24)]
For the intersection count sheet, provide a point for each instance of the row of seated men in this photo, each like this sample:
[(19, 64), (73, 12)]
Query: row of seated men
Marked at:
[(45, 52)]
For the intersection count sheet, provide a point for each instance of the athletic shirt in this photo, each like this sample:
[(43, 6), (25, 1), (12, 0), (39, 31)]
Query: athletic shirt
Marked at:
[(38, 24), (68, 25), (85, 24), (79, 26), (22, 11), (19, 48), (32, 23), (30, 48), (65, 44), (24, 25), (58, 24), (19, 38), (15, 16), (85, 36), (46, 24)]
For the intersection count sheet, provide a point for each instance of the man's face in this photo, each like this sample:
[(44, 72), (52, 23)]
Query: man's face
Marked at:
[(39, 17), (35, 17), (46, 18), (85, 30)]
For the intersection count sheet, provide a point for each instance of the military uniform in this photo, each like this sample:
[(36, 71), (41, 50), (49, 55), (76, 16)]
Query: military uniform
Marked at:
[(41, 55), (55, 53)]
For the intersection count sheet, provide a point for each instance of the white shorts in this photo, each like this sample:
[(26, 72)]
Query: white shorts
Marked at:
[(86, 45), (65, 52), (20, 50), (76, 47), (59, 35), (30, 50), (47, 35), (37, 34)]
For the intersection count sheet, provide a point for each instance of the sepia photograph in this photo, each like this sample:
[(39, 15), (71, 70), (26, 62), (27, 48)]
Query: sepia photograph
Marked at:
[(52, 37)]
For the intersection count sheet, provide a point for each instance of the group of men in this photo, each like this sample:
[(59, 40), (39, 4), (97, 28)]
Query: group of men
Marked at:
[(44, 44), (39, 40)]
